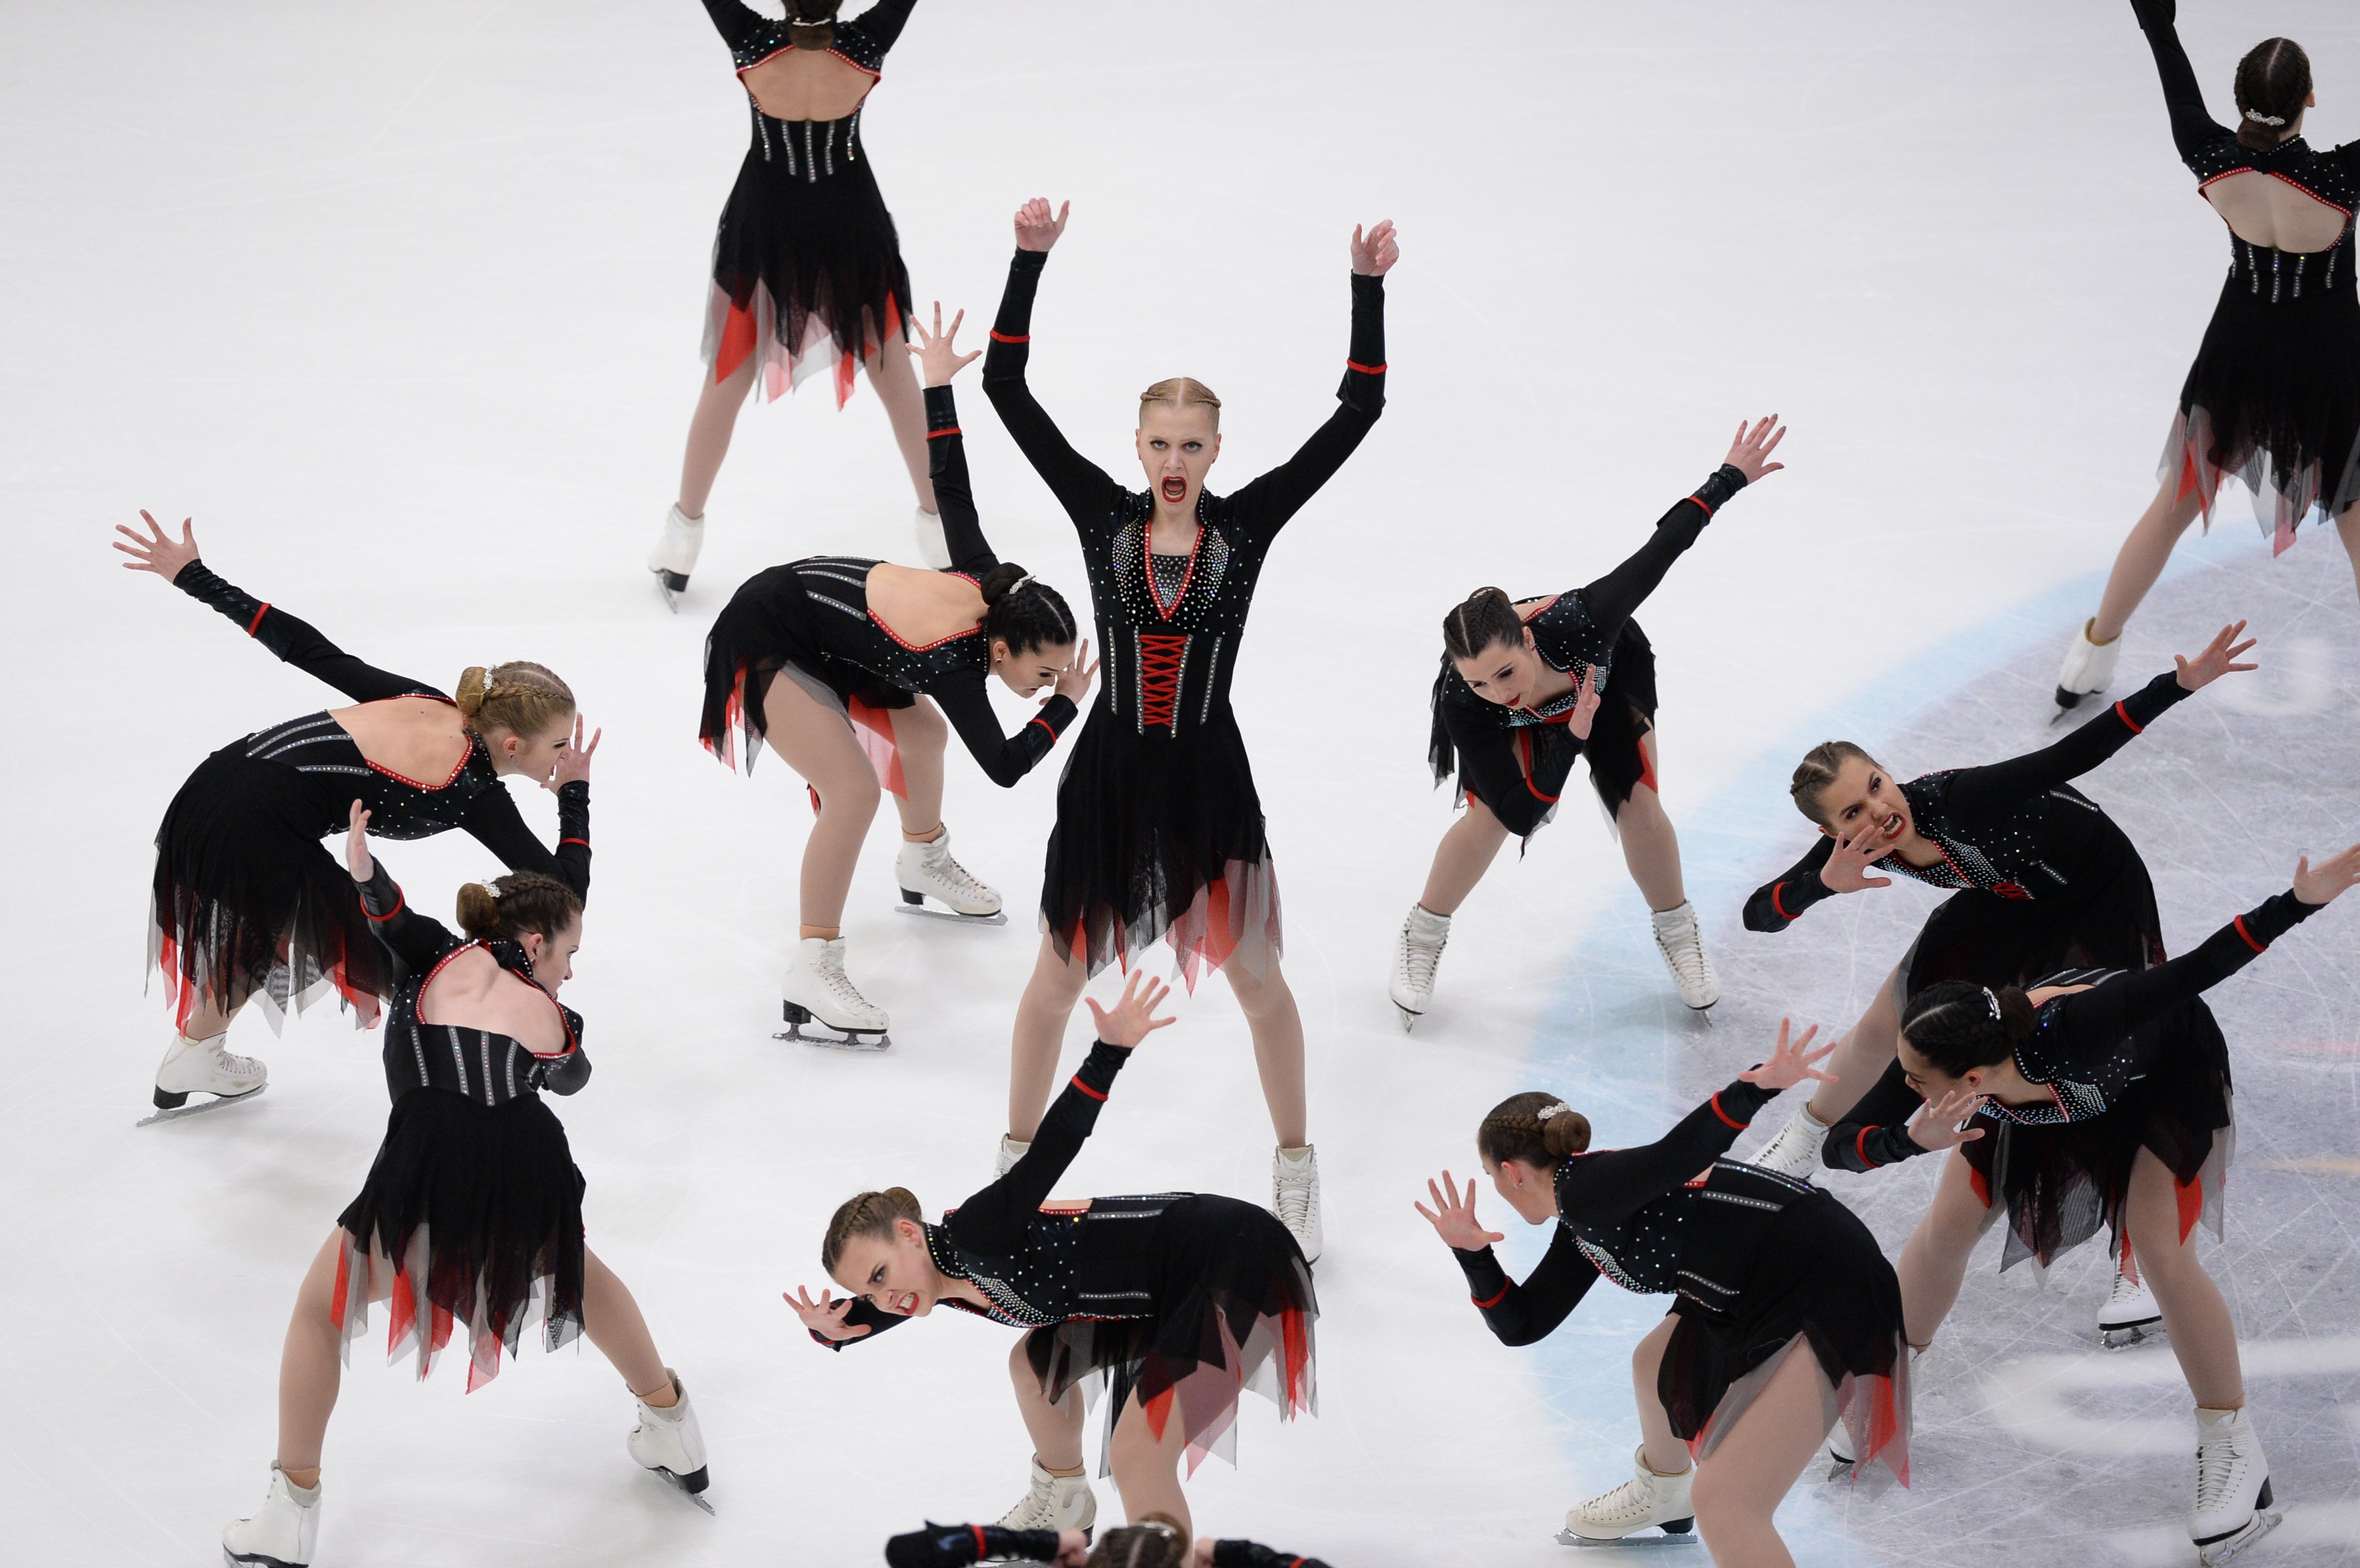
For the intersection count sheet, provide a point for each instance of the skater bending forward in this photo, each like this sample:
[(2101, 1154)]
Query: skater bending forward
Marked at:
[(1179, 1301), (2091, 1098), (1785, 1316), (850, 668), (1524, 690), (1155, 1542), (471, 1218)]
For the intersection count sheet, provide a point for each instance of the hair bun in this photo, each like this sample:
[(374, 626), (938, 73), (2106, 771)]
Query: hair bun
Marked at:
[(474, 682)]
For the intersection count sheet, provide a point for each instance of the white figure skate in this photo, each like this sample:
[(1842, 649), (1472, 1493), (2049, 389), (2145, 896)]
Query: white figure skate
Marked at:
[(1417, 956), (2232, 1487), (2089, 668), (1053, 1502), (670, 1443), (1294, 1198), (1679, 940), (1010, 1152), (1645, 1501), (282, 1533), (818, 990), (202, 1067), (2131, 1313), (674, 555), (934, 550), (927, 871), (1795, 1150)]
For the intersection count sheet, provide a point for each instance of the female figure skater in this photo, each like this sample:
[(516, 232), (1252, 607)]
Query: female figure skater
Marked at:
[(1182, 1300), (1159, 829), (472, 1213), (853, 666), (246, 901), (807, 270), (2045, 881), (1522, 693), (1786, 1315), (2274, 396), (1155, 1542), (2095, 1096)]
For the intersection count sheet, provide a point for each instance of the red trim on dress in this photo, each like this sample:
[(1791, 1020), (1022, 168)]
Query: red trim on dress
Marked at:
[(1156, 593), (1724, 1116), (1086, 1089), (2125, 714), (921, 647), (2274, 174), (1859, 1147), (399, 903), (1364, 369), (980, 1546), (2191, 1204), (1047, 725), (572, 1045), (2240, 924), (463, 758), (1705, 503), (946, 430), (1776, 903), (254, 625), (583, 842), (1498, 1298), (998, 336), (1160, 660)]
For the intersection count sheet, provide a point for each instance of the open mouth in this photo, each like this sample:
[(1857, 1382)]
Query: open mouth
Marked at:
[(1893, 826), (1174, 489), (907, 1303)]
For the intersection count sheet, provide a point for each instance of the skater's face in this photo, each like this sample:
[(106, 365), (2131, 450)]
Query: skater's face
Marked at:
[(552, 956), (892, 1273), (1507, 672), (1176, 445), (533, 756), (1528, 1189), (1035, 670), (1864, 796)]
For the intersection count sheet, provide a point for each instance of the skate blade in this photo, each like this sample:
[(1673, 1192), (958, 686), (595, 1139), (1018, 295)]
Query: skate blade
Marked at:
[(200, 1106), (1408, 1018), (672, 586), (997, 918), (682, 1488), (2261, 1524), (1842, 1469), (854, 1039), (2130, 1334), (1663, 1538)]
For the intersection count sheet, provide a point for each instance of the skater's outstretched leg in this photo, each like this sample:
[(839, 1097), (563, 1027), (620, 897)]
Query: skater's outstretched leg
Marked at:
[(1755, 1466), (1934, 1261), (1650, 847), (709, 429), (1277, 1026), (1466, 852), (1147, 1467), (2202, 1334), (817, 742), (312, 1364), (896, 381), (1050, 997), (2141, 560)]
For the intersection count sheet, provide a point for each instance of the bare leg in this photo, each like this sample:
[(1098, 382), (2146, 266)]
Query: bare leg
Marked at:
[(1277, 1027), (709, 429), (611, 1318), (1466, 852), (897, 387), (1049, 1000), (817, 742), (1055, 1430), (209, 1017), (311, 1366), (2347, 526), (1934, 1262), (919, 734), (1650, 846), (2202, 1336), (1665, 1454), (1753, 1468), (1861, 1056), (2141, 560), (1146, 1467)]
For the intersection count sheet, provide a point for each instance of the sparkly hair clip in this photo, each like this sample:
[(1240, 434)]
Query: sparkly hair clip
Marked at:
[(2261, 119), (1560, 1109), (1021, 584), (491, 888), (1993, 998)]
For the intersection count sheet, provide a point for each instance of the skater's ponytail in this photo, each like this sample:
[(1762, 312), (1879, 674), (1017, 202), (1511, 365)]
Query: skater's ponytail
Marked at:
[(1487, 617), (521, 697), (1023, 612), (1956, 1025), (1156, 1541), (1180, 391), (811, 23), (2273, 80), (871, 1213), (1818, 770), (508, 907), (1534, 1130)]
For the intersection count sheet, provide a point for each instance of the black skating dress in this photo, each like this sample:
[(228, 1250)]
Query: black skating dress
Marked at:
[(245, 901), (958, 1545), (2045, 880), (2137, 1062), (1159, 827), (1752, 1259), (807, 272), (811, 619), (474, 1197), (2274, 396), (1184, 1299), (1517, 760)]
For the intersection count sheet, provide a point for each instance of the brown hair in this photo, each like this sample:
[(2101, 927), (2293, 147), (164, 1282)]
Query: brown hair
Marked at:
[(1516, 1130), (1956, 1025), (1023, 612), (1156, 1541), (811, 23), (2272, 82), (508, 907), (1180, 391), (1818, 770), (1486, 616), (519, 696), (871, 1213)]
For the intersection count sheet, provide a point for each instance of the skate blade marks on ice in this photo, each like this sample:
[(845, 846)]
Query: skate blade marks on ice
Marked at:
[(849, 1040), (174, 1113)]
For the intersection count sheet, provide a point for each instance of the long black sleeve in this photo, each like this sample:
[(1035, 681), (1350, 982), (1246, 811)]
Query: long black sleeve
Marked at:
[(884, 21), (415, 940), (954, 496), (994, 1222), (1248, 1554), (1615, 597), (2191, 127), (1269, 501), (957, 1545), (1081, 487), (1004, 760), (737, 24), (1875, 1132), (493, 821), (1777, 905), (1489, 765), (2001, 786), (299, 643), (1608, 1187), (1529, 1312), (2090, 1024)]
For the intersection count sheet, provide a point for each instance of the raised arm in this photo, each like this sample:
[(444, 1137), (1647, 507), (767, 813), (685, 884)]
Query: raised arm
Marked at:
[(1081, 487), (739, 25), (884, 21), (2191, 127), (1608, 1187), (936, 352), (415, 940), (1613, 597)]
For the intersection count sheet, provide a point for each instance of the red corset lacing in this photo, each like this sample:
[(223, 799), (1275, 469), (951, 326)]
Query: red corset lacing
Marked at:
[(1159, 659)]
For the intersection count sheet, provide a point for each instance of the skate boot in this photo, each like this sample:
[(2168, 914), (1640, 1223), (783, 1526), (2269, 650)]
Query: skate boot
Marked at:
[(675, 556), (282, 1533), (934, 550), (1415, 956), (1683, 949), (1294, 1198), (1795, 1150), (2130, 1313), (2089, 666), (2232, 1487), (1010, 1152), (1645, 1500), (818, 990), (670, 1443), (202, 1067), (1055, 1502), (927, 871)]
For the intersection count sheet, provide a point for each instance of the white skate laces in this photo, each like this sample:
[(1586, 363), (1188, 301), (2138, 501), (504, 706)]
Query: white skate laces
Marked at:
[(2233, 1485), (202, 1067), (670, 1443), (1053, 1502), (926, 870), (1795, 1150), (2130, 1312), (1677, 940), (1646, 1500), (1294, 1198), (817, 988), (1417, 956)]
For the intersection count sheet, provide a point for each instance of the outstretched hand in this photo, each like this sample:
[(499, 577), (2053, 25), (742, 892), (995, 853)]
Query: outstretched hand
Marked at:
[(1939, 1124), (573, 762), (358, 858), (1074, 681), (2328, 880), (1793, 1061), (1585, 703), (1035, 229), (1133, 1018), (1750, 450), (1374, 252), (1453, 1216), (824, 1317), (2219, 658), (1847, 868), (156, 551), (937, 352)]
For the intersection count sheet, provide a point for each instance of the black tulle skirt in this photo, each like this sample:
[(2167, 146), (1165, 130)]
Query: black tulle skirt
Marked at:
[(1234, 1309), (2106, 919), (769, 625), (1819, 1278), (472, 1216), (2274, 400), (806, 276), (1160, 837), (1617, 763), (248, 903)]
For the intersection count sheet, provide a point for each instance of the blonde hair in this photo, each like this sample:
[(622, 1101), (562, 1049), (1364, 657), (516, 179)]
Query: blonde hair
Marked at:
[(871, 1213), (1180, 391), (519, 696)]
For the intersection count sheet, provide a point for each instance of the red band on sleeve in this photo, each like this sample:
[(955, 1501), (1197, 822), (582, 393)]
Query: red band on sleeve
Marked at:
[(1086, 1089), (1702, 502), (980, 1547), (2125, 714), (946, 430), (1003, 337), (2240, 924), (1498, 1298), (1364, 369), (254, 625), (1778, 904), (399, 903), (583, 842), (1047, 725), (1859, 1147), (1724, 1116)]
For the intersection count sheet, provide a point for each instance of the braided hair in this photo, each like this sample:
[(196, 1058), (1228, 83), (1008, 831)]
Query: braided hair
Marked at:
[(1818, 770), (2273, 80), (1157, 1541), (521, 697), (1022, 613), (1518, 1130), (509, 907), (1957, 1026), (870, 1214), (1486, 616)]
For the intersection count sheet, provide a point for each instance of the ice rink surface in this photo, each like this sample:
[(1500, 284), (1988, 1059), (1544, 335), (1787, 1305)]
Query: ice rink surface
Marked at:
[(403, 304)]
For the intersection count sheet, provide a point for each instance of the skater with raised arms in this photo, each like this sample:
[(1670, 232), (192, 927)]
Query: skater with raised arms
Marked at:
[(1179, 1301), (248, 904), (1155, 1542), (1160, 832), (1785, 1320), (471, 1217), (2092, 1097), (1528, 685), (2274, 396), (851, 666), (807, 273)]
